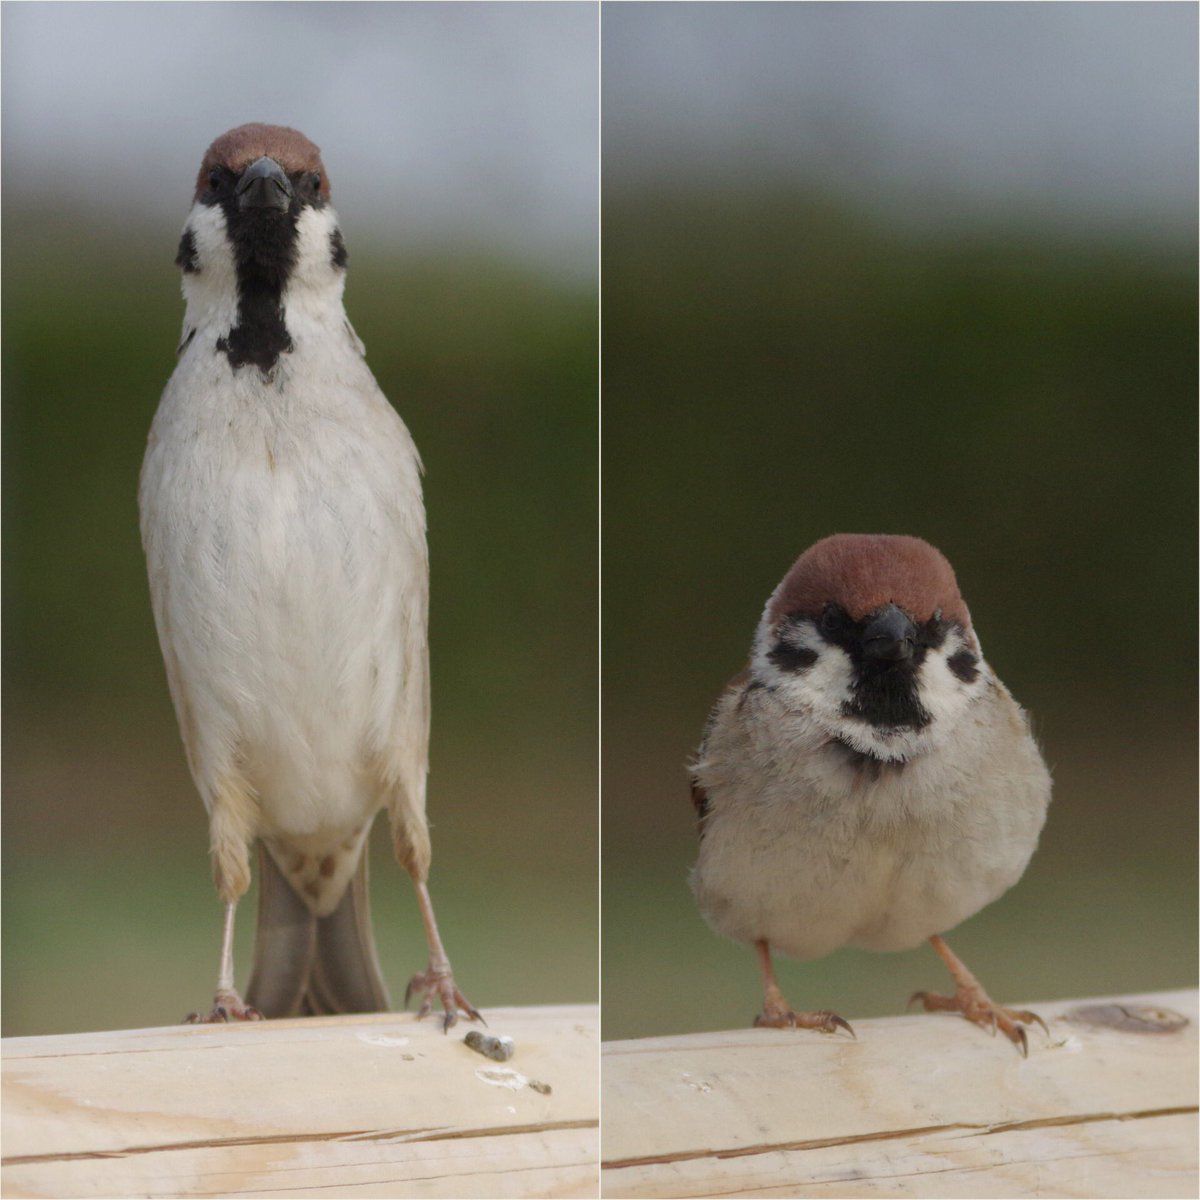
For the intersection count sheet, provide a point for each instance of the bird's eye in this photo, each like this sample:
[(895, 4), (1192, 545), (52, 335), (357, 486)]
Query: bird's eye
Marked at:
[(214, 178), (315, 180), (831, 619), (933, 632)]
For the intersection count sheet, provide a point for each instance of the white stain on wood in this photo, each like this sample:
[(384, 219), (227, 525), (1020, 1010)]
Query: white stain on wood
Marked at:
[(370, 1105)]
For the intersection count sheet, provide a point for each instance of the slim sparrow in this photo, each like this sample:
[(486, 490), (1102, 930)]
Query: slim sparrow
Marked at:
[(284, 532)]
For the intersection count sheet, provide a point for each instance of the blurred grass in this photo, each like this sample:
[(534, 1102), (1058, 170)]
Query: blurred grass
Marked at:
[(110, 919), (109, 916), (777, 367)]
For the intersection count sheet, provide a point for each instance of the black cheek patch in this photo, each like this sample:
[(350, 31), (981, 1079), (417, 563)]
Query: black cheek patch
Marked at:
[(964, 665), (187, 258), (792, 658), (337, 250)]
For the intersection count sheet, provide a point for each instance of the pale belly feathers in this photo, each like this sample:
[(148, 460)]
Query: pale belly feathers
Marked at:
[(809, 851), (292, 585)]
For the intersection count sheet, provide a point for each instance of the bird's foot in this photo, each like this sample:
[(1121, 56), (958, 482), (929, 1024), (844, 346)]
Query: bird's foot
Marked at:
[(776, 1014), (227, 1006), (976, 1005), (825, 1021), (437, 981)]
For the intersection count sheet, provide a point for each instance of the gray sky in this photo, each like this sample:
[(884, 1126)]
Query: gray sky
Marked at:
[(477, 122), (442, 122), (1085, 112)]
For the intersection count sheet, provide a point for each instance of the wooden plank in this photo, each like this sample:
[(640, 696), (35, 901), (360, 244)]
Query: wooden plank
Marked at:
[(1155, 1159), (550, 1163), (369, 1105), (923, 1105)]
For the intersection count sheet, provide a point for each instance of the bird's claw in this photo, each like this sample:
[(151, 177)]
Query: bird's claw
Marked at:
[(1029, 1018), (227, 1007), (977, 1006), (1024, 1040), (439, 982), (784, 1018), (839, 1023)]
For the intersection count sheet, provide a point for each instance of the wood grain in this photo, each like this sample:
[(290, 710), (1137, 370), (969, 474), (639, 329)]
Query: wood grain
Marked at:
[(923, 1105), (372, 1105)]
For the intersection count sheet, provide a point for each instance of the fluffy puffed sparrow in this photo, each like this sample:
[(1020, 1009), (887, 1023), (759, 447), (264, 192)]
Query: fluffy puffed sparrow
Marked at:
[(284, 531), (867, 780)]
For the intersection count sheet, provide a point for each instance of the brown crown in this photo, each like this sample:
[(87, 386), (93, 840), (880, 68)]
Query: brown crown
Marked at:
[(238, 148), (864, 571)]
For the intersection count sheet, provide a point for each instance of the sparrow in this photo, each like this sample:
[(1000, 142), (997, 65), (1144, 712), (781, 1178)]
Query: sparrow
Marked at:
[(284, 532), (867, 780)]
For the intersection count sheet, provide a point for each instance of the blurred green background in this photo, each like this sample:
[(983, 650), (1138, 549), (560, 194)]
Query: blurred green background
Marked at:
[(483, 337), (110, 919), (109, 915), (785, 358), (789, 350)]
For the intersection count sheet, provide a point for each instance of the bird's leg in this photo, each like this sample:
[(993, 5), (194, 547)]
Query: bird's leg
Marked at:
[(437, 979), (777, 1013), (230, 821), (227, 1004), (974, 1003)]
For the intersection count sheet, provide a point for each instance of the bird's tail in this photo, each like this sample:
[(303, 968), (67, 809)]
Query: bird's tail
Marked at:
[(305, 965)]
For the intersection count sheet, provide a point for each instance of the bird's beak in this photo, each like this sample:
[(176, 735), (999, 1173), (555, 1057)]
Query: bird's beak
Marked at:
[(264, 185), (889, 635)]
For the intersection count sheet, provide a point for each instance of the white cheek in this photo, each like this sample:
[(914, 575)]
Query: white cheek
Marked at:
[(943, 694), (211, 290), (314, 247), (214, 253), (827, 681), (822, 687), (314, 290)]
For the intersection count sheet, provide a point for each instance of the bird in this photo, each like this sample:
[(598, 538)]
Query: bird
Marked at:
[(867, 780), (283, 525)]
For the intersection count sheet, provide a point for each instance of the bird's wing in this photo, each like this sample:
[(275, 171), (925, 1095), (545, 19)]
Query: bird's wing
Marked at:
[(700, 804), (401, 719), (699, 794)]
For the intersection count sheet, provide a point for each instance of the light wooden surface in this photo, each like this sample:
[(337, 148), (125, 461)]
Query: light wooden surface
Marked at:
[(924, 1105), (376, 1105)]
